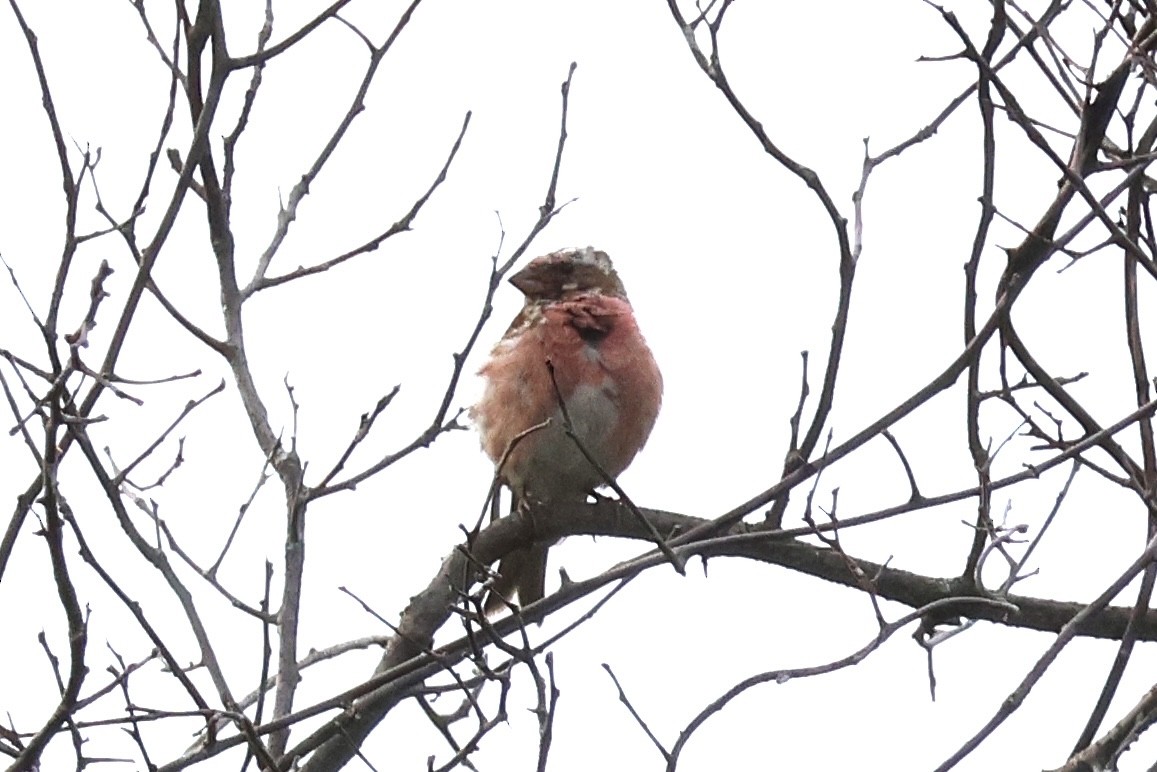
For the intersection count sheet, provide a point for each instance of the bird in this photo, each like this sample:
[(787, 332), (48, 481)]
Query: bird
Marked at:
[(575, 340)]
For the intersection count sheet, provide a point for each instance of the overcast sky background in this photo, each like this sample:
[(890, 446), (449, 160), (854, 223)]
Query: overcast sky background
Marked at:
[(731, 266)]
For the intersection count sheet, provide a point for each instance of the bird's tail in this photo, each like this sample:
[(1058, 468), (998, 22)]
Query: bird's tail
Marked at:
[(522, 573)]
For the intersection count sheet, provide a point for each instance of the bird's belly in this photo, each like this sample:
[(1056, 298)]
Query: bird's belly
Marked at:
[(557, 467)]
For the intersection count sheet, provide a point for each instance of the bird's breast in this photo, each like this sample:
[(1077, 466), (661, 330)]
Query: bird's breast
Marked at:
[(590, 355)]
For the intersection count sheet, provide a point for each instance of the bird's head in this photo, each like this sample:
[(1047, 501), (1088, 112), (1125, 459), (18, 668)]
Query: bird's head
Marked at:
[(568, 272)]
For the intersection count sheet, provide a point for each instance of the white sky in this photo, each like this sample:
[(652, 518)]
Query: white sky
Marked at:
[(731, 267)]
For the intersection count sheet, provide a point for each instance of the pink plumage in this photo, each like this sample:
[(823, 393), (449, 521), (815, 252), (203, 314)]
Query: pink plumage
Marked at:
[(576, 317)]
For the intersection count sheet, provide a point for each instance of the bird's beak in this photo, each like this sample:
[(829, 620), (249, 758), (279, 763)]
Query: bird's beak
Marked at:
[(529, 281)]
